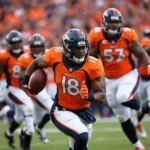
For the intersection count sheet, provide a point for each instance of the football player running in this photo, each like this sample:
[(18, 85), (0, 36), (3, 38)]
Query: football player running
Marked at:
[(23, 104), (78, 80), (42, 102), (115, 44), (144, 87)]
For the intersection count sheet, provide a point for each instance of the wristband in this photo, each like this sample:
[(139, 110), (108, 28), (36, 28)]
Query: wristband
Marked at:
[(90, 97), (25, 80)]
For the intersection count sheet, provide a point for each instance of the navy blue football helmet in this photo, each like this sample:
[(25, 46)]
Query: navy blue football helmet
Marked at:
[(112, 15), (37, 45), (14, 41), (76, 45)]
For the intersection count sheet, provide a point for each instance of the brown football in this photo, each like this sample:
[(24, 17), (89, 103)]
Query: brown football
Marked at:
[(37, 81)]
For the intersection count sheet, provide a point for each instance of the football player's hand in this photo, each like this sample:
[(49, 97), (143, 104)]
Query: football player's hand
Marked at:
[(84, 91), (148, 69), (26, 89)]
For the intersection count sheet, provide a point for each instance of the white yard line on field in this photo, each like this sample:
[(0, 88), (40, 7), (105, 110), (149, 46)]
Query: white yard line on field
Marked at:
[(114, 119), (106, 129), (58, 143)]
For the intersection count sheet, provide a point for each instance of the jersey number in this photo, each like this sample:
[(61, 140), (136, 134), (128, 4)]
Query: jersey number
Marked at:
[(72, 86), (110, 57), (16, 70)]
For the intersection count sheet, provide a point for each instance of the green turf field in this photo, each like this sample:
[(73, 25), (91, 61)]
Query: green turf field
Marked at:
[(106, 136)]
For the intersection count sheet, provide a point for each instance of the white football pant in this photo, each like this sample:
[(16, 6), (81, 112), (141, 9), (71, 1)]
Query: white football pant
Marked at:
[(23, 107), (3, 90), (144, 91), (43, 104), (121, 90), (73, 123)]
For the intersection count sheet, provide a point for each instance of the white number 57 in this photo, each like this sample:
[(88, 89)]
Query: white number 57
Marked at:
[(109, 56)]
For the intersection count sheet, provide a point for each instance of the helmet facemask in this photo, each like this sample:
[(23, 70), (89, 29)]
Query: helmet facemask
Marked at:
[(37, 51), (75, 51), (16, 47), (112, 30), (37, 45), (112, 21), (78, 59), (15, 42)]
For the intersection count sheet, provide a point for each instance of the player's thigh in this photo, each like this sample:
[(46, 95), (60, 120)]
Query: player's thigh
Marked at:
[(39, 112), (68, 122), (44, 100), (148, 92), (142, 91), (19, 97), (121, 112), (21, 100), (3, 85), (3, 90), (111, 89), (128, 86), (52, 89)]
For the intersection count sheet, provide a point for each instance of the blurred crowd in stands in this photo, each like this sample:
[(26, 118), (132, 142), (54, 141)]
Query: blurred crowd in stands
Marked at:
[(52, 18)]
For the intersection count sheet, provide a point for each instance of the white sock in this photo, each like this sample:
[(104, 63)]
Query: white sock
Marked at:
[(136, 122), (138, 144)]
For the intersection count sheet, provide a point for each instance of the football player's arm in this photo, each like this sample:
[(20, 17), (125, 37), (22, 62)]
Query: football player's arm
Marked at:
[(1, 68), (147, 49), (36, 64), (98, 89), (97, 94), (140, 53)]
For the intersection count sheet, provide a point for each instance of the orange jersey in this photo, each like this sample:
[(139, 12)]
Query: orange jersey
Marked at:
[(3, 77), (11, 68), (115, 54), (142, 69), (69, 78), (26, 58)]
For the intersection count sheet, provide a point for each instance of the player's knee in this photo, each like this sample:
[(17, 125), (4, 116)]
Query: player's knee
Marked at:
[(30, 131), (18, 119), (121, 97), (122, 118), (29, 111), (111, 102), (82, 138)]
